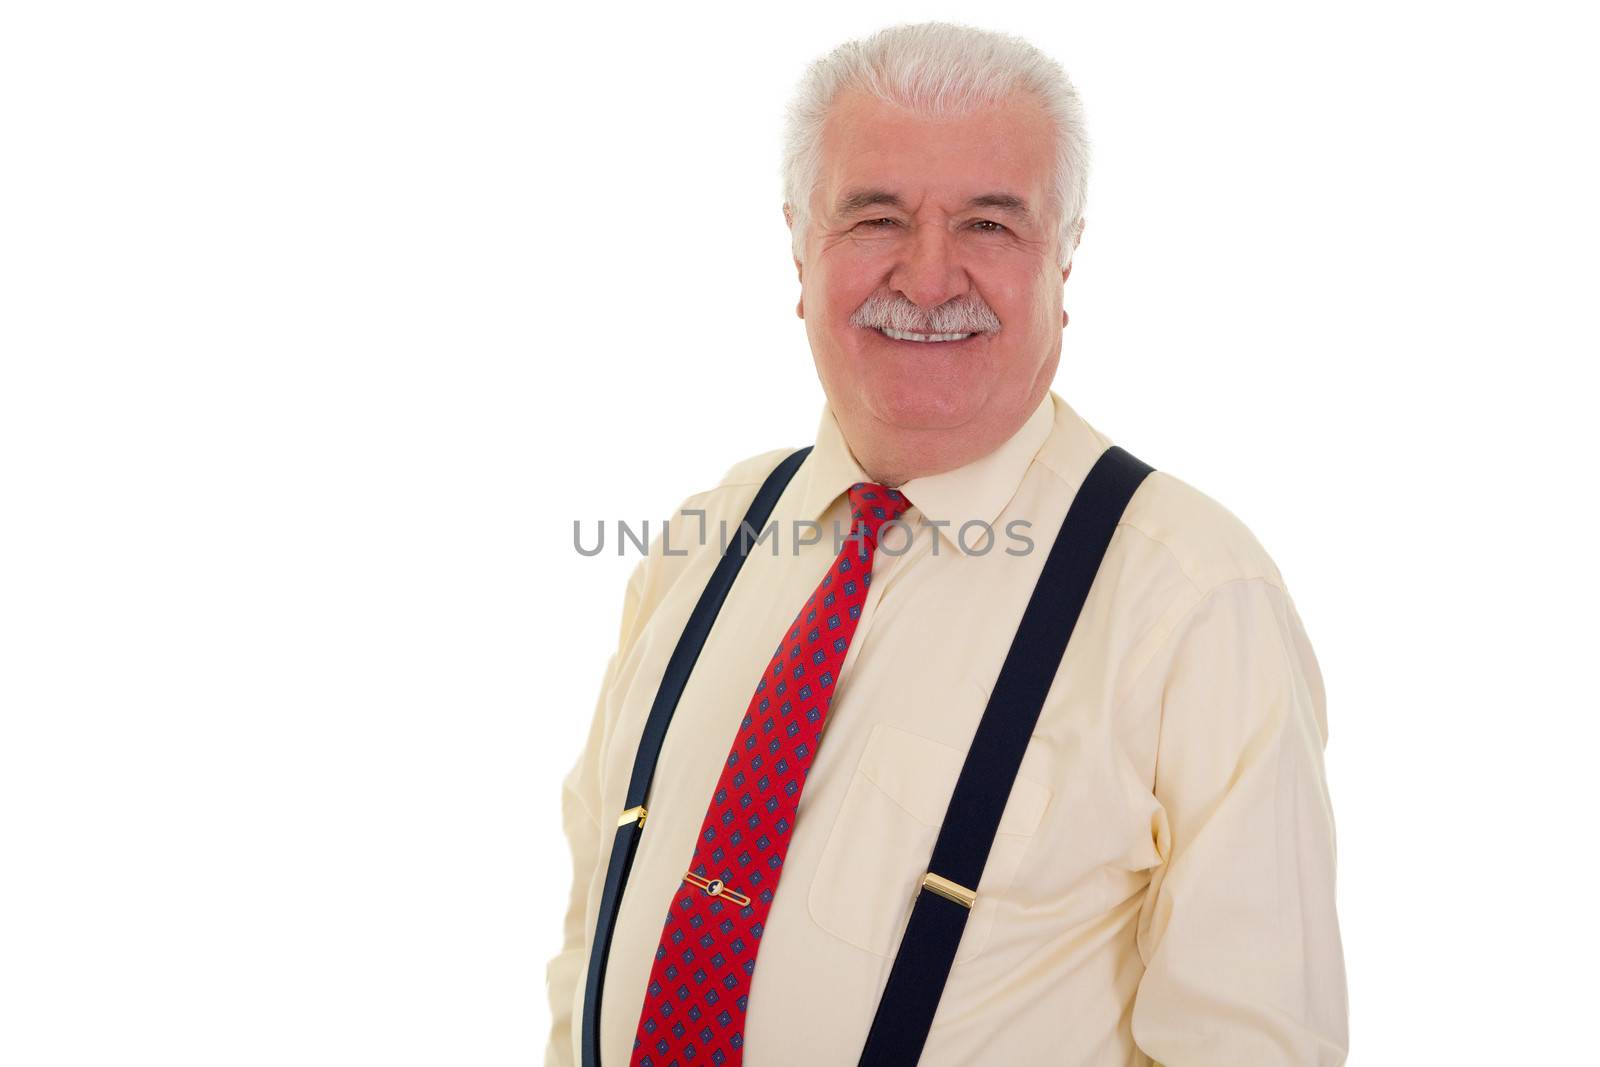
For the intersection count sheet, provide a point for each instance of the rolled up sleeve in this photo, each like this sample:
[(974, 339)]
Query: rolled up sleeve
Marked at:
[(1238, 929)]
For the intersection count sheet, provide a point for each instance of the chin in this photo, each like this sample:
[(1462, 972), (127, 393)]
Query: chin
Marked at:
[(907, 384), (921, 404)]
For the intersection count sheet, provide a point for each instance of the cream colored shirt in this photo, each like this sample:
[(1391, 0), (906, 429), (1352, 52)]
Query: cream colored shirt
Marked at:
[(1162, 885)]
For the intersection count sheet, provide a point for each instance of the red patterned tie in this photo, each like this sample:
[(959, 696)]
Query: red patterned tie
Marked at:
[(694, 1006)]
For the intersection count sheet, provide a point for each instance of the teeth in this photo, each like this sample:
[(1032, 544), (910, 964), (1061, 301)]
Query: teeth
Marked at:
[(901, 335)]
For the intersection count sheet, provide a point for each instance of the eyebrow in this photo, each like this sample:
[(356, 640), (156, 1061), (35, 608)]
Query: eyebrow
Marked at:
[(860, 200)]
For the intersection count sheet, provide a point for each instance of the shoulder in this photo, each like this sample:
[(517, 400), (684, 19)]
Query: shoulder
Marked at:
[(1203, 539), (737, 487), (753, 470), (1186, 539), (1203, 587), (696, 526)]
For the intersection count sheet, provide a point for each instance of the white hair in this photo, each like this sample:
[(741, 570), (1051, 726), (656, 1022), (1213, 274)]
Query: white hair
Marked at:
[(937, 69)]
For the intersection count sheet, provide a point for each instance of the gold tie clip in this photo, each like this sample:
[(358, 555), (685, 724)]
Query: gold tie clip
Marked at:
[(716, 887)]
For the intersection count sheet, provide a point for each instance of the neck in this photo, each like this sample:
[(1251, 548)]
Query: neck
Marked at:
[(893, 455)]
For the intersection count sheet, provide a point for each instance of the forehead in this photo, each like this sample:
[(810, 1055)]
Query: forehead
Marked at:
[(1002, 147)]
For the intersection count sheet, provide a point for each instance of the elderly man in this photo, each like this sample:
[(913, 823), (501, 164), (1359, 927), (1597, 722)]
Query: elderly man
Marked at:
[(928, 827)]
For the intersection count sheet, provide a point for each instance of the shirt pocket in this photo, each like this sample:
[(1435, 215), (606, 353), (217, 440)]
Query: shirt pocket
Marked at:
[(871, 866)]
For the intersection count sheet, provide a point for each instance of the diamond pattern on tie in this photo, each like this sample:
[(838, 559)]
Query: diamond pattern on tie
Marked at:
[(699, 988)]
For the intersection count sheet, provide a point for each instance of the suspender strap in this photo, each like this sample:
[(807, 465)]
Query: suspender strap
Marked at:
[(631, 822), (928, 946)]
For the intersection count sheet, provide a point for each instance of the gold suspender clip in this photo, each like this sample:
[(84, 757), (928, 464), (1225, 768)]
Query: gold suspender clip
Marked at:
[(949, 890), (632, 815)]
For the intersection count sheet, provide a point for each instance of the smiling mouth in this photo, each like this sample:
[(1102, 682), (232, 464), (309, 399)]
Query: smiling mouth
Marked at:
[(921, 338)]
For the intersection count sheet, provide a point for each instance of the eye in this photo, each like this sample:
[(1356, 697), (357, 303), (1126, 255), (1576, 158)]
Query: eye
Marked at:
[(998, 228), (873, 223)]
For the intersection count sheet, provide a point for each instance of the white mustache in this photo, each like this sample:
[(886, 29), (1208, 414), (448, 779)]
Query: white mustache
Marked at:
[(961, 315)]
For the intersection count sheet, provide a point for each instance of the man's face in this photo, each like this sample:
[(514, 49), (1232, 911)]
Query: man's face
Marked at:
[(933, 226)]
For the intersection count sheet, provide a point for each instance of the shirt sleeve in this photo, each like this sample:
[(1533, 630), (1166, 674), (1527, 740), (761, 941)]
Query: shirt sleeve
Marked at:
[(584, 828), (1238, 929)]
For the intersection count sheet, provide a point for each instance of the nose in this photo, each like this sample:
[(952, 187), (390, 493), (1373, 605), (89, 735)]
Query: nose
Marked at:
[(927, 272)]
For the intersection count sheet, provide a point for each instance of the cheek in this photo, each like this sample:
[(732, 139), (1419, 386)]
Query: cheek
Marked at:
[(842, 293), (849, 272), (1026, 299)]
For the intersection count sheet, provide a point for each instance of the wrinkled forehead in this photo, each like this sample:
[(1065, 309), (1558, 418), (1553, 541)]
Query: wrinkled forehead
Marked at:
[(879, 154)]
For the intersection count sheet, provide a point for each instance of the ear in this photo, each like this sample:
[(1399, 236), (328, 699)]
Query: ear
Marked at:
[(1077, 239), (788, 220)]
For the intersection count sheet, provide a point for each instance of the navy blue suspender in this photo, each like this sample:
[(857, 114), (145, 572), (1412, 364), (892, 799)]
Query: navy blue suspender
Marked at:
[(928, 946), (933, 933), (631, 823)]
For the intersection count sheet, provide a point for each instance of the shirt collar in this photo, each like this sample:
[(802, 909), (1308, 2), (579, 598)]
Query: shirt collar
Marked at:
[(980, 490)]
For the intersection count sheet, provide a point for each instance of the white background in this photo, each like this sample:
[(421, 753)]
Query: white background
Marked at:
[(322, 323)]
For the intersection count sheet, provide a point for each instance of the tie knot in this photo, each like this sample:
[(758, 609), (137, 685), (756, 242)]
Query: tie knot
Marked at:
[(874, 505)]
